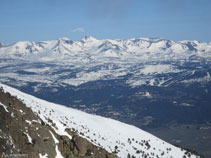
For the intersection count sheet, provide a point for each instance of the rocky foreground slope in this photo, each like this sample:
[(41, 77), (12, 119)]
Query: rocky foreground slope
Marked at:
[(38, 128), (23, 133)]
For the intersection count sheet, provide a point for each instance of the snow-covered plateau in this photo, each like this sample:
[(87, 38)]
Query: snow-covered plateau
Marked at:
[(109, 134)]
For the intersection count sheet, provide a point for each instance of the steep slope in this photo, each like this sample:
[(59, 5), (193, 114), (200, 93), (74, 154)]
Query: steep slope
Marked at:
[(114, 136), (24, 134)]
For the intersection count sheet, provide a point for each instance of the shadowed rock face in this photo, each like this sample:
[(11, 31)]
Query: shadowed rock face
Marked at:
[(23, 132), (80, 147)]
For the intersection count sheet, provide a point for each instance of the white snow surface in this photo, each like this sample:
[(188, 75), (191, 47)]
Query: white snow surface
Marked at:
[(43, 156), (160, 69), (58, 153), (103, 132), (91, 59), (4, 106), (28, 137)]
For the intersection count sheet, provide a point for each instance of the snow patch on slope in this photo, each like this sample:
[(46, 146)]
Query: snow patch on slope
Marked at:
[(58, 153), (159, 69), (4, 106), (43, 156), (28, 137)]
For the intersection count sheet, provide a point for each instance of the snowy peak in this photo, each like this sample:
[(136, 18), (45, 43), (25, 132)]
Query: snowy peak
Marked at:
[(89, 39), (65, 40), (138, 48), (1, 44), (113, 136)]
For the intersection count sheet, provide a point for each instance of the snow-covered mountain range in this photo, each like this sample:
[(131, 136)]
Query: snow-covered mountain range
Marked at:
[(138, 60), (114, 136), (147, 82)]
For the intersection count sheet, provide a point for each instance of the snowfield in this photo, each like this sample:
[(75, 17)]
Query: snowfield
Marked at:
[(64, 62), (110, 134)]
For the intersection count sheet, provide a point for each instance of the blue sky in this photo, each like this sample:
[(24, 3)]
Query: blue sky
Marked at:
[(37, 20)]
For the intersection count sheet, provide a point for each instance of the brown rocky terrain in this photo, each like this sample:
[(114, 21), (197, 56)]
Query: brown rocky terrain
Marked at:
[(23, 133)]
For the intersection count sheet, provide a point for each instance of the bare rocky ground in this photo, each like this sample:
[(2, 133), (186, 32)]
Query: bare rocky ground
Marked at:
[(22, 132)]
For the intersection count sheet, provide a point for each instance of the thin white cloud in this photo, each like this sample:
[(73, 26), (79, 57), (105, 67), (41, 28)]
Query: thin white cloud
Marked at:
[(78, 29)]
